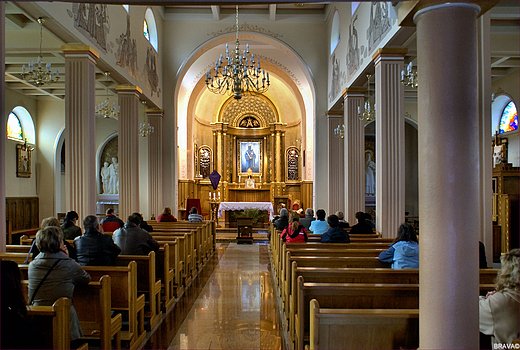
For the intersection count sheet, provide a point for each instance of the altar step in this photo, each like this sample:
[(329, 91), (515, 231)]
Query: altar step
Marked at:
[(230, 234)]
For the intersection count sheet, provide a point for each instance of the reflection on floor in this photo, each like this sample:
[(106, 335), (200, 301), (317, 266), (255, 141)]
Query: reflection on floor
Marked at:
[(232, 307)]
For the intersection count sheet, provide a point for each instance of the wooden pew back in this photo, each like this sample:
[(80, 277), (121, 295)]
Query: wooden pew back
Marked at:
[(54, 322)]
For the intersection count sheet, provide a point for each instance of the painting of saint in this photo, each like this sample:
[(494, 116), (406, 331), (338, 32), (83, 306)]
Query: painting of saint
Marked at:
[(250, 156)]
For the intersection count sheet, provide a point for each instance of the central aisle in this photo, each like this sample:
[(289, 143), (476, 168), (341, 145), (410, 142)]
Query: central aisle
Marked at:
[(236, 309)]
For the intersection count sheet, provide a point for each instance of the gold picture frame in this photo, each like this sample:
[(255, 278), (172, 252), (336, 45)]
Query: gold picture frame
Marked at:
[(256, 163), (23, 161)]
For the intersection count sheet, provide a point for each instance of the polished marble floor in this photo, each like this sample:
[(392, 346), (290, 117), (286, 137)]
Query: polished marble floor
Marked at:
[(232, 307)]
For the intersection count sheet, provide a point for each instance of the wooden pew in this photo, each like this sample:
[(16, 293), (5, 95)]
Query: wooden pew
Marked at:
[(53, 321), (93, 305), (147, 284), (363, 328), (183, 259), (17, 249), (166, 269), (191, 251), (19, 258), (125, 299)]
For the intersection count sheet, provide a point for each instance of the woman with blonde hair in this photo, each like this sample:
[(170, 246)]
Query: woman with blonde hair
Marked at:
[(166, 216), (295, 232), (499, 309)]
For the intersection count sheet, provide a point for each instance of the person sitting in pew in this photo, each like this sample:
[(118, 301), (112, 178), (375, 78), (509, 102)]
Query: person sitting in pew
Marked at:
[(69, 228), (15, 326), (342, 222), (53, 274), (309, 217), (361, 227), (498, 310), (194, 215), (295, 232), (166, 216), (111, 222), (51, 221), (144, 225), (335, 234), (133, 240), (404, 252), (93, 247), (320, 225), (281, 222), (369, 222)]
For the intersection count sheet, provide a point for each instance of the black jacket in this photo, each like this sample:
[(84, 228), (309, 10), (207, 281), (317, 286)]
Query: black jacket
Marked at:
[(134, 240), (335, 235), (96, 249), (361, 227), (281, 223)]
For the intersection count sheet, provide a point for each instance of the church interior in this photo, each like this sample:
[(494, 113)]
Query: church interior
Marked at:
[(405, 110)]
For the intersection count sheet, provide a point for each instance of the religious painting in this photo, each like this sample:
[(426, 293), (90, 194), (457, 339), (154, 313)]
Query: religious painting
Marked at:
[(23, 161), (292, 163), (249, 156)]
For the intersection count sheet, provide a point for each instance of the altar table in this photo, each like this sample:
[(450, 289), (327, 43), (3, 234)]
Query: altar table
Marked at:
[(224, 206)]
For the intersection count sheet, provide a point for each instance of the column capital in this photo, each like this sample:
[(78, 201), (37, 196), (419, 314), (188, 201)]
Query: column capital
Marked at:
[(80, 51), (389, 52), (408, 9), (354, 92), (154, 112), (128, 88)]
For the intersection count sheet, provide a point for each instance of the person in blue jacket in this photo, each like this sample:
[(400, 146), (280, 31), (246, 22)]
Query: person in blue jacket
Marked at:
[(404, 252)]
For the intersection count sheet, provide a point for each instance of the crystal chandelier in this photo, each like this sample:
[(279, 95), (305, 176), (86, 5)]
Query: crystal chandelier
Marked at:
[(369, 113), (37, 75), (409, 78), (104, 109), (239, 75), (145, 128)]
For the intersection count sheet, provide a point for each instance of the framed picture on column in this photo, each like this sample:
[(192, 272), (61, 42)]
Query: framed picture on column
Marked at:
[(249, 156)]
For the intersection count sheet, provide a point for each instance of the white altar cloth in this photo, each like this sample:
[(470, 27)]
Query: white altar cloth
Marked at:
[(246, 205)]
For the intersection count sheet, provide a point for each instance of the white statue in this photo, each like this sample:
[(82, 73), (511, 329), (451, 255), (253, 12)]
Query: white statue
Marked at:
[(114, 176), (105, 178), (370, 171)]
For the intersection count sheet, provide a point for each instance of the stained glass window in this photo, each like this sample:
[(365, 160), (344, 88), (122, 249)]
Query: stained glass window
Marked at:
[(509, 118), (145, 30), (14, 127)]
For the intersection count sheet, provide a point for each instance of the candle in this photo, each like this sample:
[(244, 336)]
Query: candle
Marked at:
[(214, 196), (209, 195), (219, 195)]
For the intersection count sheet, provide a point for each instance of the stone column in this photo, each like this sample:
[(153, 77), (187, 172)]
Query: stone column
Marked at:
[(155, 162), (80, 129), (278, 160), (390, 186), (128, 149), (486, 156), (3, 126), (336, 171), (354, 154), (448, 176)]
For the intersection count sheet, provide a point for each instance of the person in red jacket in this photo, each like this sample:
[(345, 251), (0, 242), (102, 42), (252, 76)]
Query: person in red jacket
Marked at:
[(295, 232), (166, 216), (111, 222)]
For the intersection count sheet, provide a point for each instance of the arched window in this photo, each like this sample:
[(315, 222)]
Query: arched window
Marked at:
[(150, 29), (20, 125), (509, 118), (334, 33), (14, 127)]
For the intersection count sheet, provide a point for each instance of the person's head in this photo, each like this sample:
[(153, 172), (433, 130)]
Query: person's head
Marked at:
[(309, 212), (368, 216), (294, 219), (13, 297), (50, 221), (340, 215), (134, 219), (71, 217), (406, 233), (508, 275), (167, 211), (194, 210), (333, 220), (91, 222), (320, 214), (110, 211), (106, 164), (360, 216), (49, 239), (284, 212), (114, 160), (140, 216)]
